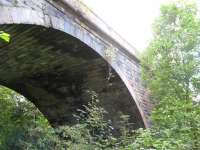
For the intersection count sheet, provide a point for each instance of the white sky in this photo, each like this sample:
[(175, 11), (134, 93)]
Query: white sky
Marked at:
[(130, 18)]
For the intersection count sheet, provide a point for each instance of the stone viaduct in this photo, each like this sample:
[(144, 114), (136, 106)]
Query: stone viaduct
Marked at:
[(59, 50)]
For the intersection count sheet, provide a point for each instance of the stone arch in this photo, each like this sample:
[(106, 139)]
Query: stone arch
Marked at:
[(19, 18)]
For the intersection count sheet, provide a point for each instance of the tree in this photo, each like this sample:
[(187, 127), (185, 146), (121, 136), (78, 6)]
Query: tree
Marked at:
[(22, 125), (171, 62), (171, 70)]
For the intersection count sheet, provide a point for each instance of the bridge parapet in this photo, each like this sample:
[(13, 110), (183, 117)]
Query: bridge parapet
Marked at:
[(100, 26)]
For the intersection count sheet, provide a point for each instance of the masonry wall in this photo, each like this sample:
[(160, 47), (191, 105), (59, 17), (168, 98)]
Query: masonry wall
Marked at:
[(61, 16)]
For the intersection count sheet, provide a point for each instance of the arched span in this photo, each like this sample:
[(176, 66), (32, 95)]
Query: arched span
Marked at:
[(76, 72)]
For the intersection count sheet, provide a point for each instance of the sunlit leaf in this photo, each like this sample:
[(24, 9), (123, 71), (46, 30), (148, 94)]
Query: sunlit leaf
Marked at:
[(4, 36)]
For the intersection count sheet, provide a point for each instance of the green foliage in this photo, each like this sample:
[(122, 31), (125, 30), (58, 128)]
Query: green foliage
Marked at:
[(150, 139), (92, 131), (4, 36), (171, 62), (171, 69), (22, 125)]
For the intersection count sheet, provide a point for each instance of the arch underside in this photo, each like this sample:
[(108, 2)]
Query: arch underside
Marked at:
[(55, 70)]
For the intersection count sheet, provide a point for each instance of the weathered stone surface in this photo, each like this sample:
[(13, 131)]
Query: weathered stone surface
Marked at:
[(55, 59)]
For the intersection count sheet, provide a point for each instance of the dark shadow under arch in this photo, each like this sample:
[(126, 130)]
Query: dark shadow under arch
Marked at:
[(54, 70)]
